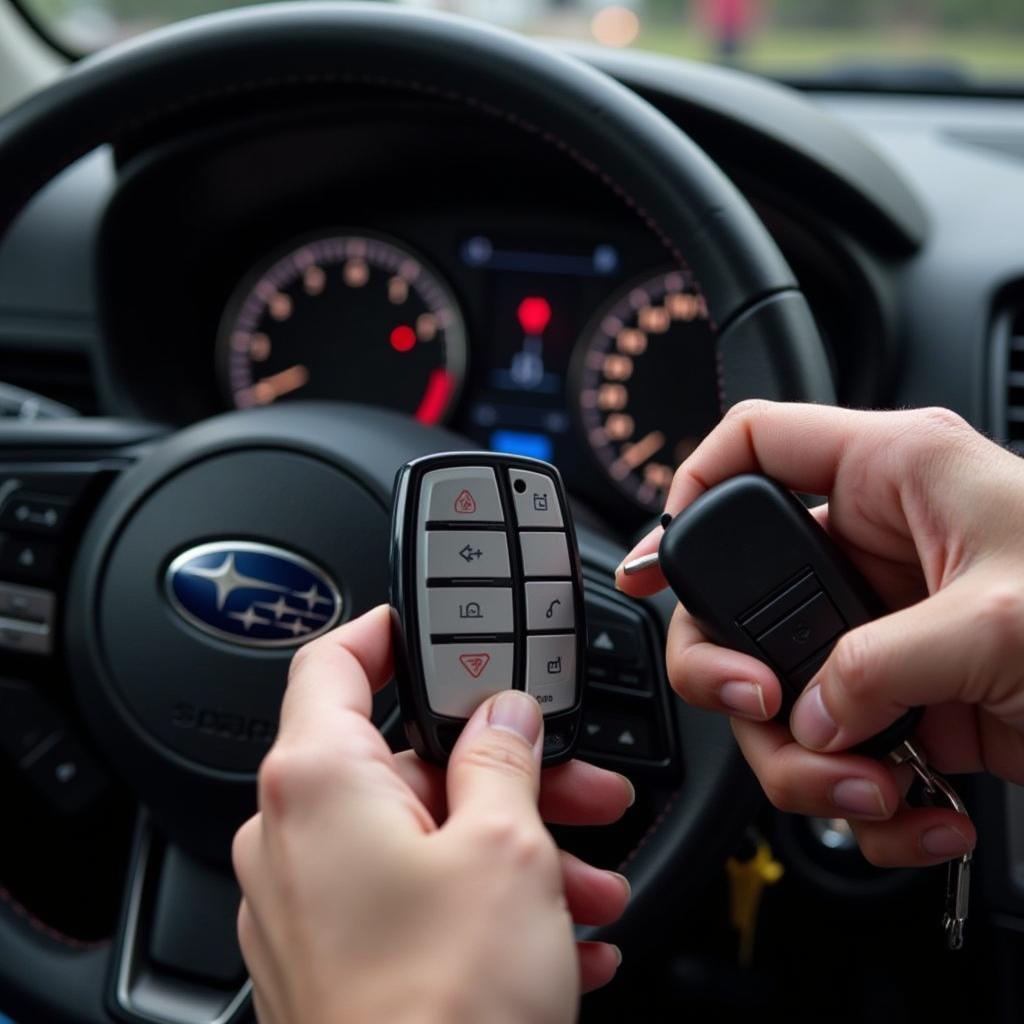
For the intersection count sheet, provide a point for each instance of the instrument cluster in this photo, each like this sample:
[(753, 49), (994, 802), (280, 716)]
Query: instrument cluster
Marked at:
[(560, 349)]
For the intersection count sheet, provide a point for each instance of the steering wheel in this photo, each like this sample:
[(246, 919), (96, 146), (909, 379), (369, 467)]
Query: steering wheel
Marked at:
[(185, 714)]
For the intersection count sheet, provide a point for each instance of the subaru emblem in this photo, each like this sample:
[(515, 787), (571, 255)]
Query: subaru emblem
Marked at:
[(252, 594)]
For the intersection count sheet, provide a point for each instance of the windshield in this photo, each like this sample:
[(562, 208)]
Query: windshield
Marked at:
[(941, 45)]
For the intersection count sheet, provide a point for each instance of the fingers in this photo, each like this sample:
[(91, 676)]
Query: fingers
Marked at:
[(800, 781), (756, 436), (495, 765), (598, 963), (341, 670), (916, 837), (579, 793), (962, 644), (576, 793), (716, 678), (594, 896)]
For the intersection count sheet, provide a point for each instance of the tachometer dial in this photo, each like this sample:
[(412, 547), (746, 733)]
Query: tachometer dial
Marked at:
[(351, 317), (646, 383)]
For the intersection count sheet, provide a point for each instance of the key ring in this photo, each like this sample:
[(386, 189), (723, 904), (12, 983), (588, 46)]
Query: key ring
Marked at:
[(958, 872)]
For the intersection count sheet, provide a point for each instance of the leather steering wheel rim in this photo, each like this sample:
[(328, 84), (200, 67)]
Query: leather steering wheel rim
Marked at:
[(768, 343)]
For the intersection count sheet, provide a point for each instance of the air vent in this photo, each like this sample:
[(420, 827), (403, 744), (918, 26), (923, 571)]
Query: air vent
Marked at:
[(63, 376), (1008, 399)]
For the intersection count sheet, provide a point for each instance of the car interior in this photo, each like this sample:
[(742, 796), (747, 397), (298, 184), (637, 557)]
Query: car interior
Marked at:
[(255, 260)]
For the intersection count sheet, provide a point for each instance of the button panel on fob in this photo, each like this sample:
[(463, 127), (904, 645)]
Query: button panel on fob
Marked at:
[(496, 593)]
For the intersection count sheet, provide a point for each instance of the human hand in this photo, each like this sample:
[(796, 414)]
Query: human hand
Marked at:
[(379, 888), (930, 512)]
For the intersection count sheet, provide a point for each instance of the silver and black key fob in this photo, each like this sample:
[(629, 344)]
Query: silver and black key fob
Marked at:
[(486, 595), (759, 575)]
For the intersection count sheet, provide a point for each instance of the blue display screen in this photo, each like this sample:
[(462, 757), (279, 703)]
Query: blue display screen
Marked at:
[(519, 442)]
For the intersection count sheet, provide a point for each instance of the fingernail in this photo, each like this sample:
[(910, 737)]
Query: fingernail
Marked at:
[(618, 956), (811, 723), (631, 790), (624, 881), (944, 841), (516, 712), (861, 797), (744, 698)]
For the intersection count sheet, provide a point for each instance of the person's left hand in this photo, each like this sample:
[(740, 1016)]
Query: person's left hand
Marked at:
[(378, 887)]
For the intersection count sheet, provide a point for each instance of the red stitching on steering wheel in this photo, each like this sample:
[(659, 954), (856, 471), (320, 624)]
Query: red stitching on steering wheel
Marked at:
[(40, 926)]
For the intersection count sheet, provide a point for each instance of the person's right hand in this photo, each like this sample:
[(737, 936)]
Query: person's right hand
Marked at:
[(932, 514)]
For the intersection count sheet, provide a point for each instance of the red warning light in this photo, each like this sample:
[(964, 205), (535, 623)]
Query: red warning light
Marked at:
[(403, 337), (534, 314)]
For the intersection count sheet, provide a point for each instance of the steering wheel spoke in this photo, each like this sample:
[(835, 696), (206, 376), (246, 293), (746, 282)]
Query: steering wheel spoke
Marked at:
[(175, 959), (52, 473)]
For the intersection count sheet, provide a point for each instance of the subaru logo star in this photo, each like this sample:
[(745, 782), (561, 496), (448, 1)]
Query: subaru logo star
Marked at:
[(253, 594)]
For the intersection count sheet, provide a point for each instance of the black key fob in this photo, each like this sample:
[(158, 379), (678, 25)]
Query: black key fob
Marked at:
[(759, 575), (486, 595)]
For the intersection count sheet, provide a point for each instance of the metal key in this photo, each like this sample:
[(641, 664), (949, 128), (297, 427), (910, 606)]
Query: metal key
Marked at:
[(759, 575), (958, 872)]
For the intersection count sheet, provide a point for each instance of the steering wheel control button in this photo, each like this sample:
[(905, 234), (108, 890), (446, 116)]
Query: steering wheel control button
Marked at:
[(457, 554), (468, 494), (26, 637), (35, 514), (458, 677), (456, 610), (612, 641), (65, 774), (28, 559), (545, 554), (487, 607), (550, 606), (535, 498), (551, 671), (29, 603), (620, 734), (792, 641)]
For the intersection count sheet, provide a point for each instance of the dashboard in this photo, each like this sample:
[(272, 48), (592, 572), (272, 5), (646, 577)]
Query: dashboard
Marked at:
[(402, 254)]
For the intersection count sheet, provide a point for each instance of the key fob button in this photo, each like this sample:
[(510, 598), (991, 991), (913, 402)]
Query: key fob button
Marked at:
[(551, 671), (479, 554), (535, 499), (545, 554), (466, 494), (458, 677), (549, 606), (802, 632), (469, 610)]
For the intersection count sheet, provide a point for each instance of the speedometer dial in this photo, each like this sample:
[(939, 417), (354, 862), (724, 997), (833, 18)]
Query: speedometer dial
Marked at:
[(351, 317), (647, 384)]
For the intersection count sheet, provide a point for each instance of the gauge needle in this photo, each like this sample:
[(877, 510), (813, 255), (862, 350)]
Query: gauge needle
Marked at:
[(278, 384), (637, 453)]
